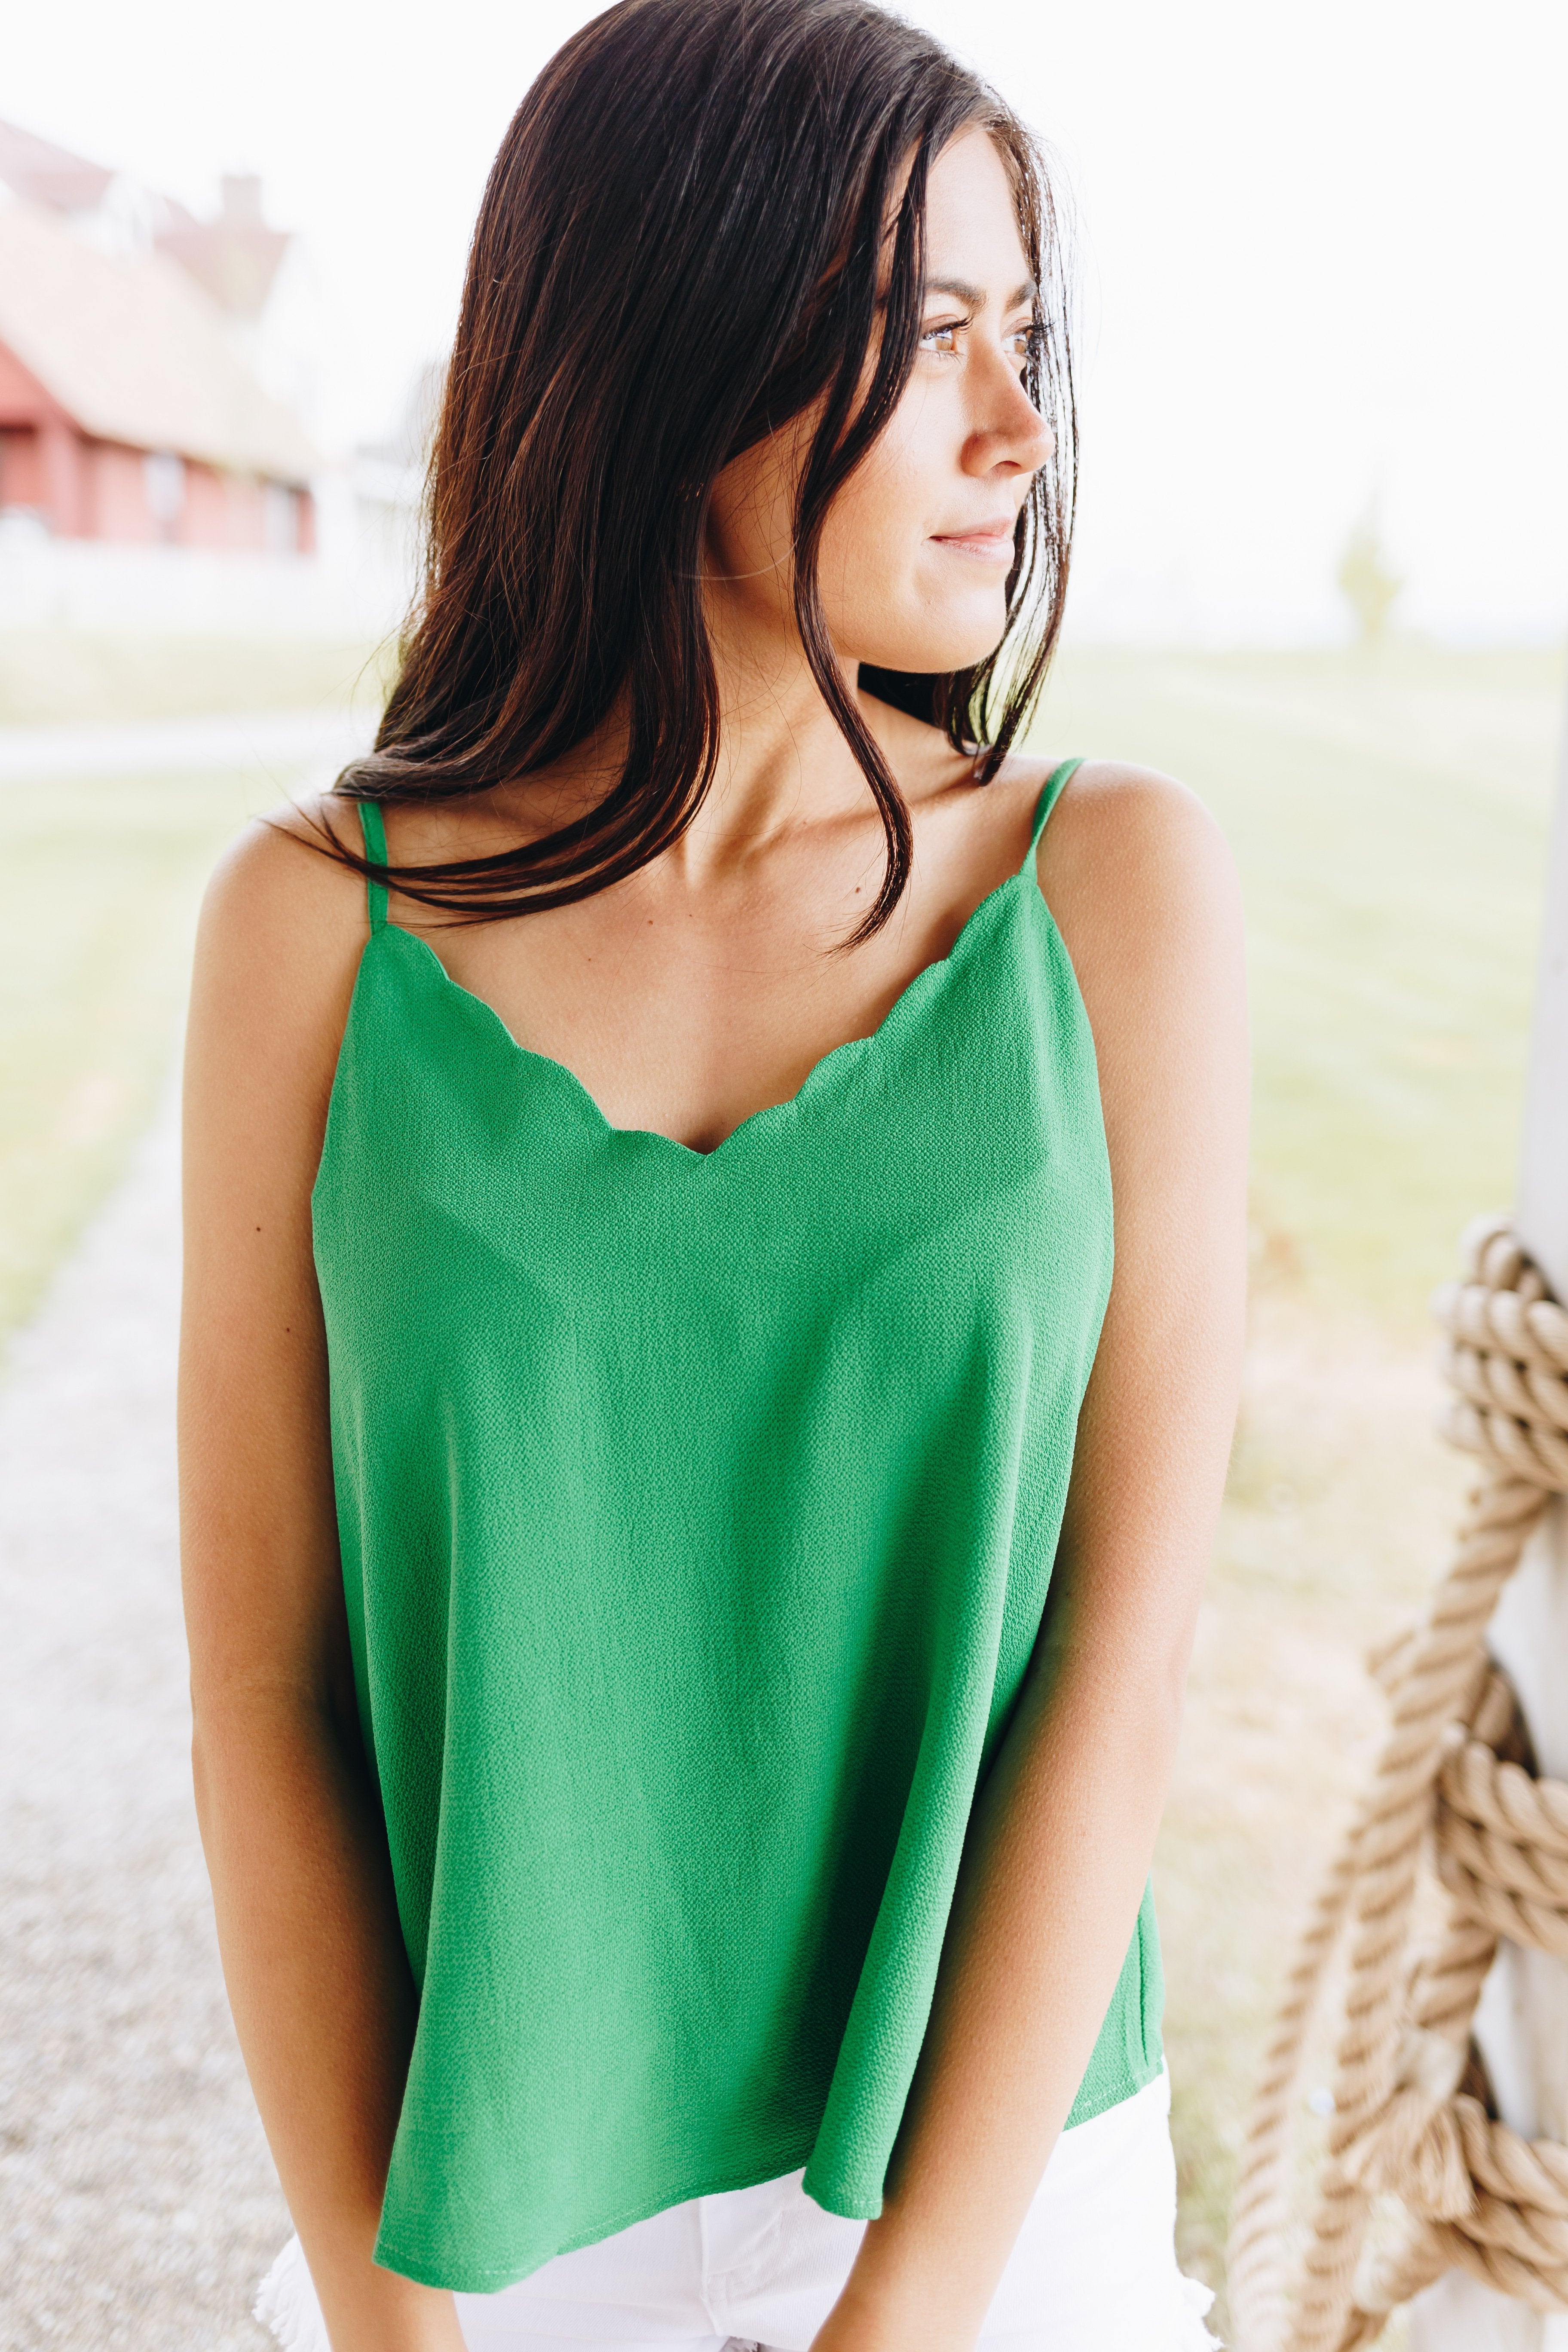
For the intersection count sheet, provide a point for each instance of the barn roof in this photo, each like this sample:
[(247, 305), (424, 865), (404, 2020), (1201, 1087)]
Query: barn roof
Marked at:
[(134, 353), (47, 175)]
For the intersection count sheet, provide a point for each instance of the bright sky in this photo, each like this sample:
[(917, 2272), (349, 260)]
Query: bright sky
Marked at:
[(1323, 257)]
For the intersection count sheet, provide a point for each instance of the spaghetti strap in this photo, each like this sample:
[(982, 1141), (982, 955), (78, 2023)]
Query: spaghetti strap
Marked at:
[(375, 831), (1049, 795)]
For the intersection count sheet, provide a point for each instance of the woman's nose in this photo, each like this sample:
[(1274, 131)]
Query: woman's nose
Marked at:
[(1019, 436)]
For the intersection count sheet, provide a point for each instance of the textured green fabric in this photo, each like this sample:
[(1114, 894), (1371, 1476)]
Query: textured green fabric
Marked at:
[(697, 1513)]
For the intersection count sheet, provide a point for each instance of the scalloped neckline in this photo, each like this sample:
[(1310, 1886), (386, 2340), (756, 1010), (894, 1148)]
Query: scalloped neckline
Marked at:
[(919, 985)]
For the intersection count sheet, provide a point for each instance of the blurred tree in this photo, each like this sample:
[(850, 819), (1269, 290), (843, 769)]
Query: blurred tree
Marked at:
[(1368, 585)]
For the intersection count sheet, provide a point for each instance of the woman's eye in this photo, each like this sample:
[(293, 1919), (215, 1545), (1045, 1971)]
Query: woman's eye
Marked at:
[(1021, 342)]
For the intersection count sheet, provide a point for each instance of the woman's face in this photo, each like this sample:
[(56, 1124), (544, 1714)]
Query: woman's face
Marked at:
[(919, 543)]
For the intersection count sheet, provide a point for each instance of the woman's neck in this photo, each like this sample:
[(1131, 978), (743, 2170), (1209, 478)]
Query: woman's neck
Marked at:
[(784, 762), (783, 765)]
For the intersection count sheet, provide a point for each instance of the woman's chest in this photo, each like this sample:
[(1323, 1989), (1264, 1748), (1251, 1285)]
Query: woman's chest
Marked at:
[(685, 1020)]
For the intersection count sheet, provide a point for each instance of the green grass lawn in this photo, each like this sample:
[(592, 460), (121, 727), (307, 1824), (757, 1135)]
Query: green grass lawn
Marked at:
[(48, 675), (102, 881), (1389, 818), (102, 884)]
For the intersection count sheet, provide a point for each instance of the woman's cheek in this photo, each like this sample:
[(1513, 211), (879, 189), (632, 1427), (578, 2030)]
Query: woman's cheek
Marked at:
[(867, 571)]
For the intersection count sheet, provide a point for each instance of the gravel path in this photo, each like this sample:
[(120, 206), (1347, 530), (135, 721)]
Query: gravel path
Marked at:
[(138, 2204)]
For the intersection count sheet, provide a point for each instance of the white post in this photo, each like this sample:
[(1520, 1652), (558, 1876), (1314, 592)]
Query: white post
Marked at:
[(1521, 2025)]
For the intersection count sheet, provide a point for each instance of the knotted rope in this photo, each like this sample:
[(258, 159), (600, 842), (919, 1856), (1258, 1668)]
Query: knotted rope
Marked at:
[(1454, 1786)]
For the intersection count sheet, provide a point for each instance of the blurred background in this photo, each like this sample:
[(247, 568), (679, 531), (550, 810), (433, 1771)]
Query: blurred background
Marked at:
[(1322, 575)]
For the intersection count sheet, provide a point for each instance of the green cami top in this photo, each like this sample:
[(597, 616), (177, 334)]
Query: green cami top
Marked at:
[(697, 1512)]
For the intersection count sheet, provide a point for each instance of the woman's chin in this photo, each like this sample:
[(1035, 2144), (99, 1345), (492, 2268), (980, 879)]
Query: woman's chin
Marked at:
[(959, 631), (935, 657), (929, 646)]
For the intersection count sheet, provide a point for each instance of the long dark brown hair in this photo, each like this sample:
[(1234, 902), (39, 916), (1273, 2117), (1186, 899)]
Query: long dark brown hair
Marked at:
[(683, 245)]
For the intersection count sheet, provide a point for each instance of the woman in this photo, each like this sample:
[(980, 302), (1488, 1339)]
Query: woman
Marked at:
[(649, 1284)]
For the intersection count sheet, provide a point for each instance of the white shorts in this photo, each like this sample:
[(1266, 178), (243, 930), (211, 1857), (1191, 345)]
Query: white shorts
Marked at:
[(1094, 2269)]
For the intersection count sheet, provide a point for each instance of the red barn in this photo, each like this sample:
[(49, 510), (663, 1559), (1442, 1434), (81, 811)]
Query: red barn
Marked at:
[(126, 413)]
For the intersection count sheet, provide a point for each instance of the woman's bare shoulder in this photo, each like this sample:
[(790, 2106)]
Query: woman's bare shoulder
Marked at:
[(280, 909), (1141, 884), (279, 872), (1132, 864), (282, 927)]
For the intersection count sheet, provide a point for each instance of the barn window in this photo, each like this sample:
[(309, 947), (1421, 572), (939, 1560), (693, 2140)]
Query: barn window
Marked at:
[(164, 477)]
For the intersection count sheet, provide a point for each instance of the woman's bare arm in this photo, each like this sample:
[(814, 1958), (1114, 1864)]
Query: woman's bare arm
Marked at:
[(311, 1949), (1145, 894)]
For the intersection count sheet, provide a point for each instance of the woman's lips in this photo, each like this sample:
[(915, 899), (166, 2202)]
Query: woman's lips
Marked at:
[(984, 544)]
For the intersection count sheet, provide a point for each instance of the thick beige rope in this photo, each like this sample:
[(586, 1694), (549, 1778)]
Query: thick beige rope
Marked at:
[(1410, 2106)]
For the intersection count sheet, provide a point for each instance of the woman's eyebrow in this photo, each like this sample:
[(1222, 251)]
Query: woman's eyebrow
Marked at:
[(975, 296)]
